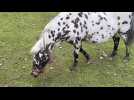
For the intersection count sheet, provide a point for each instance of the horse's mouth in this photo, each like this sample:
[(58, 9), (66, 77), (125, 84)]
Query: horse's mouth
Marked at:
[(35, 72)]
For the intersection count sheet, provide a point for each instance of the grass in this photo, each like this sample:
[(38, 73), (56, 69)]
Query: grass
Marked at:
[(18, 33)]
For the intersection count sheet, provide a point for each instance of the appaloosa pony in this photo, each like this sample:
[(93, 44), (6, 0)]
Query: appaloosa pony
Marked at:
[(75, 27)]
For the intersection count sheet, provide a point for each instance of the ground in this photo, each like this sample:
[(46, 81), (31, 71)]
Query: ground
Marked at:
[(19, 32)]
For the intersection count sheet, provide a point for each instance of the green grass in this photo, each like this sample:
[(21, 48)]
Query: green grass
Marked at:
[(18, 33)]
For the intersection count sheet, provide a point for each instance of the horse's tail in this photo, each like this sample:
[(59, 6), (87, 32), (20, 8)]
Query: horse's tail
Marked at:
[(130, 33), (38, 46)]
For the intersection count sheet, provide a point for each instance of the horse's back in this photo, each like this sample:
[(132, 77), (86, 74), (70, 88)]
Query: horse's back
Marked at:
[(111, 23), (102, 27)]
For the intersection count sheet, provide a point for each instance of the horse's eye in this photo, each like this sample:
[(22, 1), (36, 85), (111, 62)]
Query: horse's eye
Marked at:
[(43, 57)]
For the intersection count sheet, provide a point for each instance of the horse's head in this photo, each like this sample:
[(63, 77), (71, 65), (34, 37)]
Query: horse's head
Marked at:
[(40, 60)]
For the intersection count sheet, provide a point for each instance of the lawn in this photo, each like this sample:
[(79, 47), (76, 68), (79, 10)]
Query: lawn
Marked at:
[(19, 32)]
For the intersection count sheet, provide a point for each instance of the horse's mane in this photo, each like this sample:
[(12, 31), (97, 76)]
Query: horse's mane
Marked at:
[(42, 42), (38, 46)]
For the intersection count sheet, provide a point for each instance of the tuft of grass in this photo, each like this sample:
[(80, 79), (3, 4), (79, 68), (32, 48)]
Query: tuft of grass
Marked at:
[(18, 33)]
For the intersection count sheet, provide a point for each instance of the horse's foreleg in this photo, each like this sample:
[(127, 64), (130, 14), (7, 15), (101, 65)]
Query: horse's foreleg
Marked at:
[(124, 36), (76, 56), (77, 45), (75, 59), (87, 56), (127, 51), (116, 40)]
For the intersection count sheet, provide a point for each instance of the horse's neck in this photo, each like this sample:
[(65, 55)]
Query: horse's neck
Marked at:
[(47, 42)]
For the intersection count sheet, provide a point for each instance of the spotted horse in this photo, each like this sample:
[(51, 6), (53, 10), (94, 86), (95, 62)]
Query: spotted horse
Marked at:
[(75, 27)]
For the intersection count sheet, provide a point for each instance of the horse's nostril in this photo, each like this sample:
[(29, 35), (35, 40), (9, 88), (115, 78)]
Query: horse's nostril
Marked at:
[(35, 74)]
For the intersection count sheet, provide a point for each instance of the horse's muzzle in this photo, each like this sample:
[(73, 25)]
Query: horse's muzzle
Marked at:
[(35, 72)]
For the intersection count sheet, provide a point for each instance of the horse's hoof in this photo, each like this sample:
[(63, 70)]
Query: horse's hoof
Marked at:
[(126, 59), (112, 55), (88, 62), (72, 68), (91, 61), (110, 58)]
